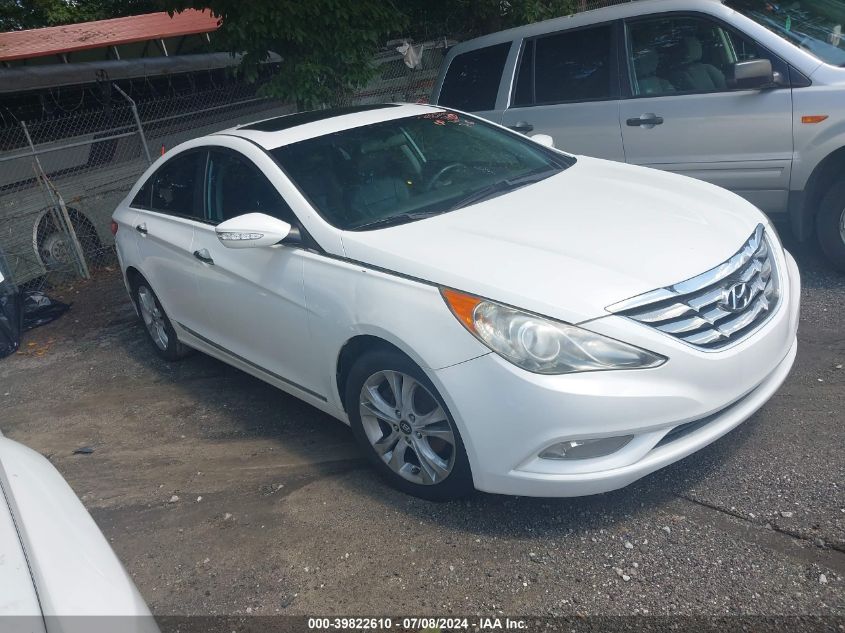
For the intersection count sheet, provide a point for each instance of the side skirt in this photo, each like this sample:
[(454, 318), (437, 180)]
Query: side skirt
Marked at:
[(199, 342)]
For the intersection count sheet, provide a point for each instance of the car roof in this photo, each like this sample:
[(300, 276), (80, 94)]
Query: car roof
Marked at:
[(585, 18), (292, 128)]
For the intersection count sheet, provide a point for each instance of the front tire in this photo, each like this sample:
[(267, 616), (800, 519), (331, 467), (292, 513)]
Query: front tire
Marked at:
[(159, 330), (830, 225), (405, 428)]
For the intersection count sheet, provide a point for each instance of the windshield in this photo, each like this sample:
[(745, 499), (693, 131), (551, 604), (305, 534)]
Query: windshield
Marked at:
[(402, 170), (814, 25)]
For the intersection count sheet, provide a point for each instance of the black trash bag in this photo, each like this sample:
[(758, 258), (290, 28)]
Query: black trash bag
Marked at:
[(11, 313), (39, 309)]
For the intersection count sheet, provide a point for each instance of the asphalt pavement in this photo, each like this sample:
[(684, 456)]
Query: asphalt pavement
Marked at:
[(222, 495)]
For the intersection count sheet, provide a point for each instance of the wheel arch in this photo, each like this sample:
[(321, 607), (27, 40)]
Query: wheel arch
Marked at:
[(352, 350), (823, 176), (133, 275)]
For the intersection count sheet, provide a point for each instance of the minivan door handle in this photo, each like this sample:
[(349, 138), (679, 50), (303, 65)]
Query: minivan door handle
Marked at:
[(648, 120), (142, 228), (522, 126), (204, 256)]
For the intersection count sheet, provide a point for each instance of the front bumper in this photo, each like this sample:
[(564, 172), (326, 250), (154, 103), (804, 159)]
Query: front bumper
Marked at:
[(507, 416)]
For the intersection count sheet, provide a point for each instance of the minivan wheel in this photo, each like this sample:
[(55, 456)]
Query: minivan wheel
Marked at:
[(159, 329), (830, 225), (405, 428)]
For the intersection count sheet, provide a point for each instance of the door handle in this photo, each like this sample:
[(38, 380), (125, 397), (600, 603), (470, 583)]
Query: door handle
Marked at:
[(204, 256), (522, 126), (645, 120), (142, 228)]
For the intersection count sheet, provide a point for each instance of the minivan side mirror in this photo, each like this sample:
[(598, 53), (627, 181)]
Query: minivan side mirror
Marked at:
[(543, 139), (252, 230), (752, 74)]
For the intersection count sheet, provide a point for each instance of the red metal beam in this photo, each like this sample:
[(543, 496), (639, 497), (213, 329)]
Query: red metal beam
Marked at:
[(56, 40)]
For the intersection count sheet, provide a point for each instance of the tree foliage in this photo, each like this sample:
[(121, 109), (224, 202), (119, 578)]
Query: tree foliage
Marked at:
[(326, 45), (33, 14), (469, 18)]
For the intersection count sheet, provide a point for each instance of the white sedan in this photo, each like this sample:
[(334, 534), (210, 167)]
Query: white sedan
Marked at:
[(485, 311)]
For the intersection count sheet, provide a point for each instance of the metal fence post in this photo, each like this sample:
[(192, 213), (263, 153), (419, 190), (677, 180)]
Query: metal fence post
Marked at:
[(58, 201), (137, 122)]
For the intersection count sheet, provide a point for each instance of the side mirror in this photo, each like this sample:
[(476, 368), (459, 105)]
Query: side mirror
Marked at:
[(252, 230), (752, 74), (543, 139)]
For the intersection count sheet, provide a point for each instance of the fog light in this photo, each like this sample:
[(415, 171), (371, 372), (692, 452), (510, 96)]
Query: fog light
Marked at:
[(585, 449)]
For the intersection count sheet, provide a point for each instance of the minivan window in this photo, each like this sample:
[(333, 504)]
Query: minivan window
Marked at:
[(175, 184), (472, 81), (236, 186), (814, 25), (523, 92), (672, 55), (573, 66)]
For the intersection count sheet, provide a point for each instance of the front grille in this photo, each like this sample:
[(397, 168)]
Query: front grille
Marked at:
[(718, 307)]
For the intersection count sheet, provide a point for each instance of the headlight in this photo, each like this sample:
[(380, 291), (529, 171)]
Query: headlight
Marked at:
[(541, 345)]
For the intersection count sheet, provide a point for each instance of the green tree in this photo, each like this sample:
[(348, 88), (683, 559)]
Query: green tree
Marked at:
[(469, 18), (33, 14), (325, 45)]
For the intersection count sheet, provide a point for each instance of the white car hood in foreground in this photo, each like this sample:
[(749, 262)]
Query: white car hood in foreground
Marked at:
[(55, 564), (570, 245), (17, 597)]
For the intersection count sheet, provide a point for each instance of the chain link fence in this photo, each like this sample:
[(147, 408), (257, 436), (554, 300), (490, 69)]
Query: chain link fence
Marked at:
[(62, 177), (395, 81)]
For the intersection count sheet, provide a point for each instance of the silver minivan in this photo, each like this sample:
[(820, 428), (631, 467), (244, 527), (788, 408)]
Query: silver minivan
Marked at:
[(745, 94)]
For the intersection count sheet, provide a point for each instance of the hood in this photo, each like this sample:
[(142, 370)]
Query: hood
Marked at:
[(70, 563), (18, 597), (568, 246)]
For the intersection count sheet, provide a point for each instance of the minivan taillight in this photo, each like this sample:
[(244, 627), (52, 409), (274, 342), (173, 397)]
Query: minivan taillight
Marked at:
[(113, 227)]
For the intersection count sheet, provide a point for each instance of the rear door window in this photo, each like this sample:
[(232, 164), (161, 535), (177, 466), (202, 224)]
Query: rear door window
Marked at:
[(523, 91), (472, 81), (143, 197), (176, 185), (573, 66)]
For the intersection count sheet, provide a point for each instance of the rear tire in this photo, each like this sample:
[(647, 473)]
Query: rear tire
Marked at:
[(160, 332), (412, 440), (830, 225)]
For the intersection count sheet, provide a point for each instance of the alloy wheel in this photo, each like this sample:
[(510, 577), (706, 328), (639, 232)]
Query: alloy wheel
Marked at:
[(153, 317), (407, 427)]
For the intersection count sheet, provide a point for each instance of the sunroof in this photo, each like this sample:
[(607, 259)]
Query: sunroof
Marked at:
[(279, 123)]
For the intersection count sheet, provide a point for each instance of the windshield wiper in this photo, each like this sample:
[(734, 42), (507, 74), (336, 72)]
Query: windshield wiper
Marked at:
[(502, 186), (395, 220)]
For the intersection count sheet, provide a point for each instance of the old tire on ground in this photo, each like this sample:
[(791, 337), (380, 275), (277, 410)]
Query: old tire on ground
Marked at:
[(53, 248), (405, 428)]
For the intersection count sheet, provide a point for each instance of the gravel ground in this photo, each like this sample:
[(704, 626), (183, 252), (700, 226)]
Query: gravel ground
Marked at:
[(223, 495)]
